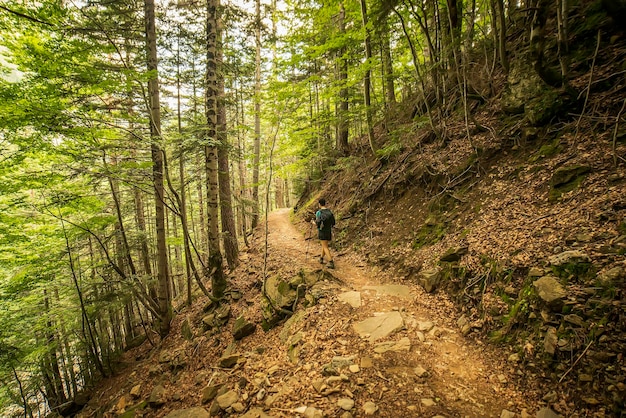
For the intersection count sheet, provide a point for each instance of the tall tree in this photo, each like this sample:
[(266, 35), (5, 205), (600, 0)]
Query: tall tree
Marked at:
[(157, 167), (212, 90), (257, 114)]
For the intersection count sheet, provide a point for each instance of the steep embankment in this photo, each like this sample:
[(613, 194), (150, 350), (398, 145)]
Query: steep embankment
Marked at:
[(522, 223)]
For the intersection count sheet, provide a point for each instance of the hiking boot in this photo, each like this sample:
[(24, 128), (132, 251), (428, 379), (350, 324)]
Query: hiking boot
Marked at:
[(331, 264), (321, 260)]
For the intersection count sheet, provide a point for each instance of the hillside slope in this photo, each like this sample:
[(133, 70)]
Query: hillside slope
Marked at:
[(519, 213)]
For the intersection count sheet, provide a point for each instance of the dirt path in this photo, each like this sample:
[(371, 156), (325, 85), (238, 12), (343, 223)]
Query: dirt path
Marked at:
[(429, 368)]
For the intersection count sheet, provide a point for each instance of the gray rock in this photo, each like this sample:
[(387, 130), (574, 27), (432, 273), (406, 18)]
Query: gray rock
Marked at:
[(610, 277), (427, 402), (186, 331), (547, 413), (453, 254), (345, 403), (429, 279), (550, 341), (536, 272), (339, 362), (574, 319), (569, 257), (157, 396), (420, 371), (227, 362), (311, 412), (227, 399), (281, 294), (369, 408), (514, 358), (243, 328), (507, 414), (425, 326), (210, 392), (398, 290), (196, 412), (403, 344), (352, 298), (135, 392), (549, 289), (380, 326)]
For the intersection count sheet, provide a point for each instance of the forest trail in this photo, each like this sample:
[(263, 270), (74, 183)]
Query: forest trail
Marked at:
[(424, 367)]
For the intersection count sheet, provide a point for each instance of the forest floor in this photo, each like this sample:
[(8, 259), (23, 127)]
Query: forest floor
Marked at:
[(424, 368)]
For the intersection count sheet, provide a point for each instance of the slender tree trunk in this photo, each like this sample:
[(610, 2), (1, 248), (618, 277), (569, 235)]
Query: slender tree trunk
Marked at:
[(562, 8), (229, 230), (181, 175), (390, 90), (164, 295), (257, 117), (342, 110), (501, 34), (218, 279), (51, 363), (243, 196), (367, 79)]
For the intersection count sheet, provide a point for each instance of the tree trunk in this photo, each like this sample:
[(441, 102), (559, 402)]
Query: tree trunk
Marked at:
[(257, 117), (501, 34), (390, 90), (164, 295), (229, 230), (342, 109), (367, 79), (218, 279)]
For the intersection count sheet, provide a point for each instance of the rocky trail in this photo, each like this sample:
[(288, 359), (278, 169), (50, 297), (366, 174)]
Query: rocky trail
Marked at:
[(373, 345), (367, 345)]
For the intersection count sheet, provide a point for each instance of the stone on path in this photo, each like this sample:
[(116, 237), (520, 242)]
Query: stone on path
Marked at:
[(403, 345), (345, 403), (547, 413), (189, 413), (380, 326), (391, 290), (352, 298), (227, 399), (370, 408), (507, 414)]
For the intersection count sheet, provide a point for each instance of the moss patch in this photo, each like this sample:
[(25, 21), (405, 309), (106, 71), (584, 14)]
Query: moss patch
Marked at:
[(566, 179)]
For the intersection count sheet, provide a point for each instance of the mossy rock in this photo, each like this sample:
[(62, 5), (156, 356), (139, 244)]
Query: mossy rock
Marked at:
[(132, 411), (541, 109), (566, 179)]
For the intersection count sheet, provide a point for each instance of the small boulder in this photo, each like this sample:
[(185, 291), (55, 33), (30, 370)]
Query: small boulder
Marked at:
[(453, 254), (158, 396), (196, 412), (549, 289), (227, 399), (229, 361), (429, 279), (547, 413), (345, 403), (369, 408), (550, 341), (242, 328)]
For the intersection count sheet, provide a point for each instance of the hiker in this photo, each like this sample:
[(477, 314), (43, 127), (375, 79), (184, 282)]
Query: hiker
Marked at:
[(325, 220)]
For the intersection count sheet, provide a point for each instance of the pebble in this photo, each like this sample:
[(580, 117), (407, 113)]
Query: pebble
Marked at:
[(345, 404)]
